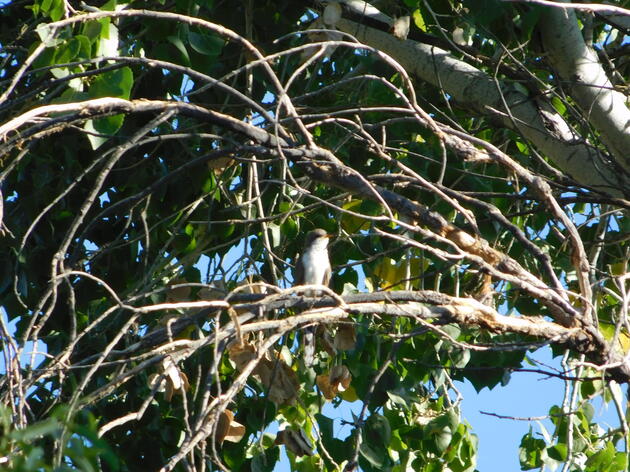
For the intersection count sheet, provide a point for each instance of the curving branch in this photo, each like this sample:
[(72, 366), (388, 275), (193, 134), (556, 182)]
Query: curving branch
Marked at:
[(323, 166), (579, 67), (421, 305), (600, 8), (536, 119), (115, 242)]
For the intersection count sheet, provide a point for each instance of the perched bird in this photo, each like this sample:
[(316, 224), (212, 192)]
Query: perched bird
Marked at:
[(313, 268)]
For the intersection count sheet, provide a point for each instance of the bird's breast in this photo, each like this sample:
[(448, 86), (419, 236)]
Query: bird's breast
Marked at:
[(315, 266)]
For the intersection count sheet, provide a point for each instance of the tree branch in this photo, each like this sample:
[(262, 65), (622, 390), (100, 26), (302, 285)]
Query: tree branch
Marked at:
[(579, 67), (535, 119)]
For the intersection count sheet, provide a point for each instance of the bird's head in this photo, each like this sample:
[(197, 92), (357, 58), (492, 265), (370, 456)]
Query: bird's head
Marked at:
[(317, 238)]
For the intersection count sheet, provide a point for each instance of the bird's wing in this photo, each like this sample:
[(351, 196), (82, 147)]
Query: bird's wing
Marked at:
[(298, 275), (326, 280)]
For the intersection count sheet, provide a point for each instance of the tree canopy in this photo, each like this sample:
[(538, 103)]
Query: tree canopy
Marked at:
[(161, 163)]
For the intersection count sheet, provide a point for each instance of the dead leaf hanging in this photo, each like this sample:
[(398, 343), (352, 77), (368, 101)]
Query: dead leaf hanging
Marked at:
[(295, 441), (276, 376), (336, 381), (172, 379), (228, 429)]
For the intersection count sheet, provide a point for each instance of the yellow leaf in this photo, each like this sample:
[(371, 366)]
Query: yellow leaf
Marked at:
[(352, 223), (350, 394), (624, 341), (618, 269), (608, 330), (336, 381), (390, 273), (369, 285), (419, 20)]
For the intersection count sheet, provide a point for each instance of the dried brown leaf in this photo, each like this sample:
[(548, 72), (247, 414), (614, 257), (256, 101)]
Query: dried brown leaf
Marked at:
[(336, 381), (295, 441), (323, 383), (281, 381), (241, 354), (276, 376), (174, 380), (228, 429), (346, 337)]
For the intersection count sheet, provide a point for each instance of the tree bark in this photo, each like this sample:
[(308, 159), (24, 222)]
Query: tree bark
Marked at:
[(471, 87), (579, 67)]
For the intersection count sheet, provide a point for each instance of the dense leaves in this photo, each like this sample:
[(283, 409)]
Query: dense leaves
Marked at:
[(162, 161)]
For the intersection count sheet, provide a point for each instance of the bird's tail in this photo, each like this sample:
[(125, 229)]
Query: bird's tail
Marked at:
[(309, 346)]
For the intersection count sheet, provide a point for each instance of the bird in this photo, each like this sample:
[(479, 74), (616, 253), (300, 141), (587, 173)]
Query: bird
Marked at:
[(313, 268)]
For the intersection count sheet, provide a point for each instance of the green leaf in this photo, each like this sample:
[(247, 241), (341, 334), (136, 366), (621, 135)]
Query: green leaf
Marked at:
[(53, 8), (621, 462), (110, 5), (108, 39), (92, 134), (589, 412), (559, 105), (47, 35), (522, 147), (179, 45), (419, 20), (604, 460), (521, 88), (376, 436), (530, 451), (206, 44), (45, 5), (442, 439), (289, 228), (440, 431), (558, 452), (116, 83), (85, 47), (108, 125), (38, 430), (399, 400), (259, 463), (92, 30)]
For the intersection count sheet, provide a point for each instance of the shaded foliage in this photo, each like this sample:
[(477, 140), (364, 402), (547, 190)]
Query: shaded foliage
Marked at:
[(161, 164)]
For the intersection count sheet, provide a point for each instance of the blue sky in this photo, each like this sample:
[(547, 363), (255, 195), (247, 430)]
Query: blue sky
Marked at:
[(527, 395)]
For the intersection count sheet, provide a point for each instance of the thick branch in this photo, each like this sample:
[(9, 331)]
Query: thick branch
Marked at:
[(320, 165), (323, 166), (537, 120), (425, 304), (11, 134), (578, 65), (595, 7)]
